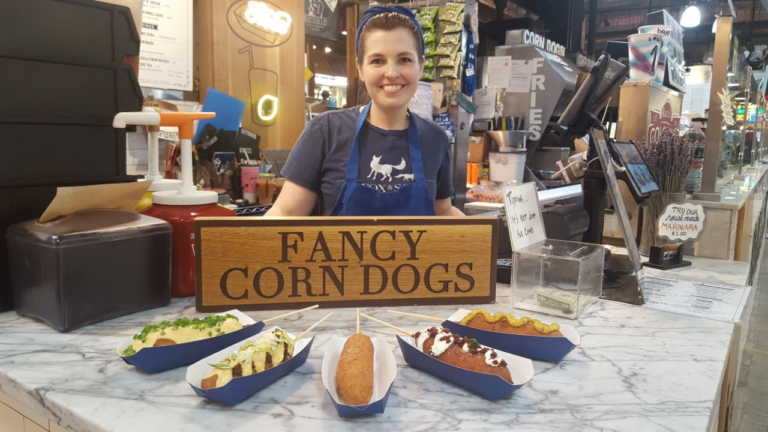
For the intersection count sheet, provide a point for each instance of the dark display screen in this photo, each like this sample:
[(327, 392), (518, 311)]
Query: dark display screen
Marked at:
[(636, 167)]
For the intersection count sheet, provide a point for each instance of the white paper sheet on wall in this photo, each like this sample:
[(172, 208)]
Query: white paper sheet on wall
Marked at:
[(498, 71), (485, 99), (520, 76), (696, 99)]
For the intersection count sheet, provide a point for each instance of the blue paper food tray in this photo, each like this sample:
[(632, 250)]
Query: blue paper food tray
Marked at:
[(545, 348), (240, 389), (491, 387), (385, 372), (159, 359)]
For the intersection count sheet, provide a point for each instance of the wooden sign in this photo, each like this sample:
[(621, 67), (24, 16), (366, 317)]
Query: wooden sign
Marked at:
[(280, 263)]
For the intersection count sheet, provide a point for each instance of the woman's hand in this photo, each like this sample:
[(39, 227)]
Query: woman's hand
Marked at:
[(443, 207), (294, 200)]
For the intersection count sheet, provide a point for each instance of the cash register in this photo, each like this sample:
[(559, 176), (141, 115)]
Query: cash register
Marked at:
[(608, 160)]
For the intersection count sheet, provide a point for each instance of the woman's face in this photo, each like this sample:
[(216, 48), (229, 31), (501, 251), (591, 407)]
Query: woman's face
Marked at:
[(391, 68)]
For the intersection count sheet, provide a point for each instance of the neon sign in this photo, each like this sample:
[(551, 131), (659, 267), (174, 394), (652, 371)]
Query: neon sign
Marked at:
[(261, 15), (267, 108)]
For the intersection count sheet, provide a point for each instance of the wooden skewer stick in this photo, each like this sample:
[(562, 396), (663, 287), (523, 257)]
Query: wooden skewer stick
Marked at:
[(386, 324), (416, 315), (358, 321), (290, 313), (311, 327)]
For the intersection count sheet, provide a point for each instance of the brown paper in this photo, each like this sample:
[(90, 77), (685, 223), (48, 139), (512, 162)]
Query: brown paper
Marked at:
[(120, 196)]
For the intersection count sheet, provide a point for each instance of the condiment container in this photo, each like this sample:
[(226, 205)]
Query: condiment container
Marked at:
[(89, 267), (179, 207)]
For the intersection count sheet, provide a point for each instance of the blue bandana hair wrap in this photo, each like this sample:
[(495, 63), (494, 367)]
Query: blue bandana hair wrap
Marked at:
[(378, 10)]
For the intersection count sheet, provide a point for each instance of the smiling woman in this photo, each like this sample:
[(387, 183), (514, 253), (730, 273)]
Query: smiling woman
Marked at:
[(379, 159)]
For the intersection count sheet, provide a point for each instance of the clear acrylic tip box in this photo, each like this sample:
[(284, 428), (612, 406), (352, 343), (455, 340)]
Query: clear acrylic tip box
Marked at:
[(557, 277)]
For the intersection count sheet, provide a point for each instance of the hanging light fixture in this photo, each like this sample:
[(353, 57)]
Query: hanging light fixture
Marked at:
[(691, 17)]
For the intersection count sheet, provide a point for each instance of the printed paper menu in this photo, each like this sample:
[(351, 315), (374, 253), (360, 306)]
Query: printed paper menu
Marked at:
[(716, 301), (166, 45)]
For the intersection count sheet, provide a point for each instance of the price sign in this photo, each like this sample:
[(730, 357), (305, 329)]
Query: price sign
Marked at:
[(521, 203), (681, 221)]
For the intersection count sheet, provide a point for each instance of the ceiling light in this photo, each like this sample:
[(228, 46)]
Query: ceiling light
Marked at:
[(344, 32), (327, 49), (730, 74), (314, 46), (733, 84), (691, 17), (739, 98)]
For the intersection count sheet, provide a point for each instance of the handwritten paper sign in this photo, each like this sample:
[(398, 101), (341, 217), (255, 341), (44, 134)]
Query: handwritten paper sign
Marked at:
[(526, 227), (274, 263), (681, 221)]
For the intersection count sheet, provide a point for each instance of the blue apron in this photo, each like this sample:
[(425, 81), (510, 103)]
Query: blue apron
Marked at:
[(412, 199)]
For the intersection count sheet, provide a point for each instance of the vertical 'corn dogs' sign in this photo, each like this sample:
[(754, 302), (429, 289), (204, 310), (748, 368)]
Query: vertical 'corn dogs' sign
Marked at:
[(257, 263)]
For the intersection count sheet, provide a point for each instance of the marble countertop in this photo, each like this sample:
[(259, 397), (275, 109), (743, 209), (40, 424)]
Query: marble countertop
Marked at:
[(636, 370)]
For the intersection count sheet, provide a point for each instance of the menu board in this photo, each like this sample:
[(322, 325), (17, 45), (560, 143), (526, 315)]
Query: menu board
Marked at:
[(166, 45)]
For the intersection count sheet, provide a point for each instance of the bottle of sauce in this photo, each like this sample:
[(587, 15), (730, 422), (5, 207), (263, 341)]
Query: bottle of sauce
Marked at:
[(180, 207)]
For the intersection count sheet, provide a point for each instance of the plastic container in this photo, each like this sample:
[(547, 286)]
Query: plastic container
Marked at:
[(557, 277), (89, 267), (665, 32), (266, 188), (249, 178), (644, 52), (507, 167)]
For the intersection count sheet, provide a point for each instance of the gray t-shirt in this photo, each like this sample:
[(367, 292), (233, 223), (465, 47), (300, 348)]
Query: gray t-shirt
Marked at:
[(318, 161)]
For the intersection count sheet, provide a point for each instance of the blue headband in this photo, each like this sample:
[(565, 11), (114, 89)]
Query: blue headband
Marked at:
[(378, 10)]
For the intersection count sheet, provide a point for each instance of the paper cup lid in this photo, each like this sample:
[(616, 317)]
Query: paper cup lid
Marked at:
[(173, 197)]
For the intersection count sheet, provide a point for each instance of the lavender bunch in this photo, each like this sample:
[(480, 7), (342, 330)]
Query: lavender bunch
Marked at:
[(669, 159)]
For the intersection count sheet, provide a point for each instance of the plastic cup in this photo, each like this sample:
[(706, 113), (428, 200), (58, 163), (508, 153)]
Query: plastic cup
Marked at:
[(266, 188), (644, 52), (665, 32), (279, 182), (249, 178)]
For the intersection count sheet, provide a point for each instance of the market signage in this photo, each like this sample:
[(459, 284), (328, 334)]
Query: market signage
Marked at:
[(531, 38), (527, 37), (675, 73), (261, 23), (321, 18), (681, 222), (258, 263), (661, 119)]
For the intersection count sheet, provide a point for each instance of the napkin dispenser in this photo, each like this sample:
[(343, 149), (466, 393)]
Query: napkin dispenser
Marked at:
[(90, 266)]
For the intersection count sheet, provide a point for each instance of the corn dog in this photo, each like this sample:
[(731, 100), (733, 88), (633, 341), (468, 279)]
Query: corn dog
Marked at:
[(354, 372), (461, 352)]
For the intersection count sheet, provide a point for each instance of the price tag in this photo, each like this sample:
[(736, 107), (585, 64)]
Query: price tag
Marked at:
[(681, 221), (521, 202)]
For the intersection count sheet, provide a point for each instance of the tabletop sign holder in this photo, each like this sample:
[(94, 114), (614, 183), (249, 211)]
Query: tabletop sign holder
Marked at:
[(291, 262), (679, 222)]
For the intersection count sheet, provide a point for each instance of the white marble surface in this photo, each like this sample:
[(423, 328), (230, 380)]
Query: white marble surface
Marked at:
[(636, 370)]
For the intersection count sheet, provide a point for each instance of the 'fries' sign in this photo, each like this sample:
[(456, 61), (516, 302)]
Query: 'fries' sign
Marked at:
[(257, 263)]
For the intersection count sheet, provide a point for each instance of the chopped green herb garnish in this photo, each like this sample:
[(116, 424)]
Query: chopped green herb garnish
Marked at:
[(474, 344), (209, 322), (129, 351), (210, 334), (220, 366)]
